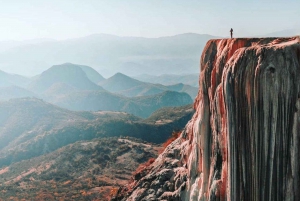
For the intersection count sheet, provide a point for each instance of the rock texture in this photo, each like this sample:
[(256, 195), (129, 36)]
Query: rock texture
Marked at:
[(243, 141)]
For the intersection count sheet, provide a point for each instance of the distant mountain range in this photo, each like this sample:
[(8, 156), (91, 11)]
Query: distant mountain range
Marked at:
[(7, 79), (6, 45), (77, 87), (142, 106), (13, 91), (284, 33), (170, 79), (109, 54), (127, 86)]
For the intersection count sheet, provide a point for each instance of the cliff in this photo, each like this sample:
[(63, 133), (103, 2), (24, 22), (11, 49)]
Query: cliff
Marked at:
[(243, 141)]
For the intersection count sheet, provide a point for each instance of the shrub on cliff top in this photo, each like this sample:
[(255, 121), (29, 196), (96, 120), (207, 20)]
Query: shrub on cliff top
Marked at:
[(174, 136)]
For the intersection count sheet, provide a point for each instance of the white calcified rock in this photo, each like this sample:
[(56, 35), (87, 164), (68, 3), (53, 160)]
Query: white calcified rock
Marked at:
[(243, 141)]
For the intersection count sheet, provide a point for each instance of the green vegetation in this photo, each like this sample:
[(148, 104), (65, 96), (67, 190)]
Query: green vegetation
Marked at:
[(170, 114), (142, 106), (43, 128), (51, 153)]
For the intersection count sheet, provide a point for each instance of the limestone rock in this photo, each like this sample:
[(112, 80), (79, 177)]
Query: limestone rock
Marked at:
[(243, 141)]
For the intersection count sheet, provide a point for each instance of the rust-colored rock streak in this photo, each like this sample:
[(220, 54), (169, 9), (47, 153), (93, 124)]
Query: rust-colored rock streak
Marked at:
[(243, 141)]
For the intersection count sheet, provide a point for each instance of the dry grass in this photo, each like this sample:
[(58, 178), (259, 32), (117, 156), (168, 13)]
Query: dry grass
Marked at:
[(173, 137), (143, 166)]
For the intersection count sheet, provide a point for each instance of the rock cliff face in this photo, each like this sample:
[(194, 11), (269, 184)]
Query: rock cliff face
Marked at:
[(243, 141)]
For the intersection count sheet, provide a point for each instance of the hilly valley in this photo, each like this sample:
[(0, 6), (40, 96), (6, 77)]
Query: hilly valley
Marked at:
[(43, 127), (142, 106), (58, 154), (85, 170)]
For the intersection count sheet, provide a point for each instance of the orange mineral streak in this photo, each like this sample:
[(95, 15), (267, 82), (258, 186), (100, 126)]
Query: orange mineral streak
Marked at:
[(143, 166), (234, 45), (173, 137)]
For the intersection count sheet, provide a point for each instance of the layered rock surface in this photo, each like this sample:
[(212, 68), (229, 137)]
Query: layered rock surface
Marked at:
[(243, 141)]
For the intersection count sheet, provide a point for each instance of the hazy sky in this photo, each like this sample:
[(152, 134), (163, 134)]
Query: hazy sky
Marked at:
[(62, 19)]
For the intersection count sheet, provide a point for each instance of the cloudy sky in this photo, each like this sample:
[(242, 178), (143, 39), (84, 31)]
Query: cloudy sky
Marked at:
[(63, 19)]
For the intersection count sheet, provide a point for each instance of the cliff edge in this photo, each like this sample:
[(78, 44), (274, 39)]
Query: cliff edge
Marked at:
[(243, 141)]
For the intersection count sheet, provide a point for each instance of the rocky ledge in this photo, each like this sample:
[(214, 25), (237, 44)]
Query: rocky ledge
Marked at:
[(243, 141)]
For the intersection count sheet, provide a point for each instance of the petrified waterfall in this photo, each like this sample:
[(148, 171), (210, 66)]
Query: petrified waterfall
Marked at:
[(243, 141)]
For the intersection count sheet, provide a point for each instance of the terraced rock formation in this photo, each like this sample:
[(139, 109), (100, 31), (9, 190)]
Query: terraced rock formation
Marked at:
[(243, 141)]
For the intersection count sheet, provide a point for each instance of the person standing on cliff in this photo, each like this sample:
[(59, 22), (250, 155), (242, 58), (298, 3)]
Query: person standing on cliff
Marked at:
[(231, 32)]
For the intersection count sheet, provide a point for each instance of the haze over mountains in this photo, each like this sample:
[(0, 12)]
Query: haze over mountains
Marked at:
[(70, 74), (109, 54), (78, 87), (169, 79), (7, 79), (42, 127), (284, 33), (127, 86), (5, 45)]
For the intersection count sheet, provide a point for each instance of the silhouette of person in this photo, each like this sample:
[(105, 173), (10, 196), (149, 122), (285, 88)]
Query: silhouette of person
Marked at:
[(231, 32)]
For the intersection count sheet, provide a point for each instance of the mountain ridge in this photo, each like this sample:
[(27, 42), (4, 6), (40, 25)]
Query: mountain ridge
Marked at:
[(130, 87), (109, 54), (141, 106), (44, 127)]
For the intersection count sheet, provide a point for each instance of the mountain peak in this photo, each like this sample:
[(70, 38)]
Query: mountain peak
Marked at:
[(118, 74), (71, 74), (91, 73), (119, 82)]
